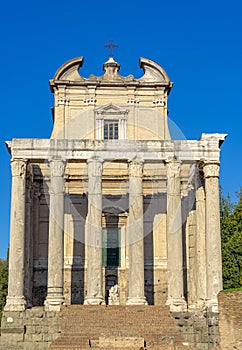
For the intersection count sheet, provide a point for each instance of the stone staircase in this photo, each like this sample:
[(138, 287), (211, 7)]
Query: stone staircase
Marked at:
[(118, 328)]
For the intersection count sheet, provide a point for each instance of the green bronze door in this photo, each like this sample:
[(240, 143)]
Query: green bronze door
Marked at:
[(111, 246)]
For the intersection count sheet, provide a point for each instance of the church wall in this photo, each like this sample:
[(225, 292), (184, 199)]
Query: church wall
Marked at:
[(75, 111)]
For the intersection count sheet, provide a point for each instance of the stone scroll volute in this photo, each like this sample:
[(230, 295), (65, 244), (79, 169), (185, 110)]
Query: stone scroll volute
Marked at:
[(57, 167), (211, 170), (19, 167)]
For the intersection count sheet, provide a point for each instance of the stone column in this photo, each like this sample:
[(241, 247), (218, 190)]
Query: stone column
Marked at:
[(29, 237), (175, 299), (200, 241), (136, 235), (94, 234), (55, 295), (213, 238), (16, 300)]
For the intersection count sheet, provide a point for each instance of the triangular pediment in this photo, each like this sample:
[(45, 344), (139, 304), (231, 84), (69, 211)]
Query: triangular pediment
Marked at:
[(111, 108)]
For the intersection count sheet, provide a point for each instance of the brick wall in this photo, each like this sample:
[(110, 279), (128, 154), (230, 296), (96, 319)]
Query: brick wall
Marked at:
[(230, 320)]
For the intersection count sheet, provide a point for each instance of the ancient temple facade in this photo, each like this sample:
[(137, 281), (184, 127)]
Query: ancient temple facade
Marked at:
[(110, 209)]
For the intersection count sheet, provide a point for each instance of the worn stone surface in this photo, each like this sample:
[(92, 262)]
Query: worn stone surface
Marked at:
[(94, 234), (136, 235), (213, 238), (55, 295), (30, 329), (230, 320), (175, 299)]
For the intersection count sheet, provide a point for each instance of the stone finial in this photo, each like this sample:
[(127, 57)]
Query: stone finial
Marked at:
[(111, 69)]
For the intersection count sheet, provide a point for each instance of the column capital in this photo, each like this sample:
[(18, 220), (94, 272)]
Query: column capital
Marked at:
[(199, 179), (57, 167), (95, 166), (173, 167), (211, 169), (19, 167), (136, 166)]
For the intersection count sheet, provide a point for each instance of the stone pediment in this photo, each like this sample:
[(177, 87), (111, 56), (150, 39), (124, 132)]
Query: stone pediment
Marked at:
[(69, 72), (111, 109)]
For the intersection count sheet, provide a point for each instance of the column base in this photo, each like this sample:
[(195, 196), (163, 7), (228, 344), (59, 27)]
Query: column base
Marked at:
[(212, 305), (15, 304), (53, 303), (177, 305), (90, 300), (136, 301)]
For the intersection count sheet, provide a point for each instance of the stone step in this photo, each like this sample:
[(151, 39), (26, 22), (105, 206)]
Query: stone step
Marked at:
[(118, 328)]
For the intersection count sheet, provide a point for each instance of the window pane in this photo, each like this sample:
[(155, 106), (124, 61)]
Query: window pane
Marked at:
[(110, 130)]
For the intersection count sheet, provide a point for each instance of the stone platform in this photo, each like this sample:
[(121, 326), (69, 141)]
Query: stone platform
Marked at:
[(81, 327)]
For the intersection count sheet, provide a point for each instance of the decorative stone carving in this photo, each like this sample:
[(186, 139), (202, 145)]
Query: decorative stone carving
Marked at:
[(90, 101), (173, 168), (211, 170), (159, 102), (133, 101), (111, 69), (19, 167), (136, 166), (57, 167), (95, 167), (113, 298)]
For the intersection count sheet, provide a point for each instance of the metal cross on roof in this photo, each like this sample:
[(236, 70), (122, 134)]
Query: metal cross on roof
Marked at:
[(111, 46)]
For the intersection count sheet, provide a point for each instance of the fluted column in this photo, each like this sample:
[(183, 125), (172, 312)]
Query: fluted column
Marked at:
[(213, 237), (16, 300), (175, 299), (55, 296), (136, 235), (94, 234)]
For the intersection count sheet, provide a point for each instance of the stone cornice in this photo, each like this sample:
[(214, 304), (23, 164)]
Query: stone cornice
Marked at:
[(157, 151)]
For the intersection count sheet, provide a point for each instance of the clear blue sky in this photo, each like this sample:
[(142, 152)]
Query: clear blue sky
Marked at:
[(198, 43)]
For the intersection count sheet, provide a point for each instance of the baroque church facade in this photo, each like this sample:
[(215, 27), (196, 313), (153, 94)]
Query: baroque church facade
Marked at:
[(110, 210)]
